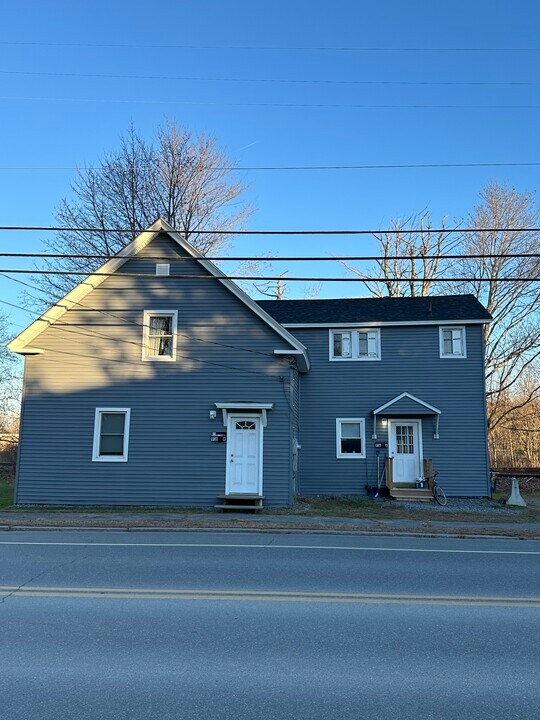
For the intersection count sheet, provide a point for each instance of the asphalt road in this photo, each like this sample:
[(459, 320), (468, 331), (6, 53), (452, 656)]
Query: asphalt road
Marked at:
[(222, 626)]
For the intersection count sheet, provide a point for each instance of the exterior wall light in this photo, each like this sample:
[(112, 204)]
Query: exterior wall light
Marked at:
[(213, 414)]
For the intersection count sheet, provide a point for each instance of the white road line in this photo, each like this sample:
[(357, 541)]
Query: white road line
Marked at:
[(276, 547)]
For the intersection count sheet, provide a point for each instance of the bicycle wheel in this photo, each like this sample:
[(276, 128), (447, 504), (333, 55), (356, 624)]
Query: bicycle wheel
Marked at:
[(438, 494)]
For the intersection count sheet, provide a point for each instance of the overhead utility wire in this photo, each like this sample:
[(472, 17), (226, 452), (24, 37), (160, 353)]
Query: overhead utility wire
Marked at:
[(270, 258), (128, 321), (405, 166), (141, 345), (303, 81), (92, 333), (254, 278), (205, 103), (390, 231), (310, 48)]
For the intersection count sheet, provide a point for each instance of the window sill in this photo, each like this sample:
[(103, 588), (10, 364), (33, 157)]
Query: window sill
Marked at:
[(109, 459)]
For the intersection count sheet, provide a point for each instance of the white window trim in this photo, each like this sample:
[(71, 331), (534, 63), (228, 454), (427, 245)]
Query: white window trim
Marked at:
[(96, 457), (163, 269), (146, 333), (354, 344), (442, 354), (351, 456)]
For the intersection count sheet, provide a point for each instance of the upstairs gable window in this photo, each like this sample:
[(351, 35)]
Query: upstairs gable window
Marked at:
[(159, 335), (361, 344), (452, 342)]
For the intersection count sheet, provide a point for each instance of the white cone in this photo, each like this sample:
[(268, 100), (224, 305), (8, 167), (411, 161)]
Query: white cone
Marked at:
[(515, 496)]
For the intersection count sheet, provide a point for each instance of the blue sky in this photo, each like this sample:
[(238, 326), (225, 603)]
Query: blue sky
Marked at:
[(57, 121)]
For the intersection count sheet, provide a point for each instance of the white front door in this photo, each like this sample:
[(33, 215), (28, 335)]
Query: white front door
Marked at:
[(405, 447), (244, 455)]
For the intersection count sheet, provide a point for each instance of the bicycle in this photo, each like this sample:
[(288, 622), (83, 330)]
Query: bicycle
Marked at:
[(436, 489)]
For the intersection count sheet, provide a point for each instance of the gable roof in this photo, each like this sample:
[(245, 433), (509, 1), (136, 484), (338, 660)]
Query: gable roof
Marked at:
[(21, 343), (424, 407), (377, 311)]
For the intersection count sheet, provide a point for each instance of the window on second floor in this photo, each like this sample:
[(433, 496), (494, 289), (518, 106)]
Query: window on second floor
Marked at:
[(452, 342), (361, 344), (159, 335)]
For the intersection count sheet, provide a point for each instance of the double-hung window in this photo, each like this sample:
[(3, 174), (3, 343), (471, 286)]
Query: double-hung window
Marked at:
[(111, 435), (159, 336), (350, 438), (361, 344), (452, 342)]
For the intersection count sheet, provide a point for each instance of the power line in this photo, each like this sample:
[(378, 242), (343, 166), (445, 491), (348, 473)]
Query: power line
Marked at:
[(94, 333), (390, 231), (272, 258), (205, 103), (301, 48), (128, 321), (144, 326), (255, 278), (403, 166), (301, 81)]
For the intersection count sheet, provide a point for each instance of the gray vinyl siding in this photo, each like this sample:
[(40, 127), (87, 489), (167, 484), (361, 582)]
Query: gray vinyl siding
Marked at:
[(406, 406), (294, 397), (94, 359), (410, 363)]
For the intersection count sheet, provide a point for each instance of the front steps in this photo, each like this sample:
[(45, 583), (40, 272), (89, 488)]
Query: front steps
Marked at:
[(411, 494), (240, 502)]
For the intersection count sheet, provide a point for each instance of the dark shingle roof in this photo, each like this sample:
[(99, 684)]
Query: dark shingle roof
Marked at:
[(438, 308)]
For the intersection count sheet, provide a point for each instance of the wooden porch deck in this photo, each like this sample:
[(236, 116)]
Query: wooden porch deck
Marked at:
[(409, 492)]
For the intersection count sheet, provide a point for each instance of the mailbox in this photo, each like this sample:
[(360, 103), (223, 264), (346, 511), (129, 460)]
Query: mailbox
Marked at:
[(218, 437)]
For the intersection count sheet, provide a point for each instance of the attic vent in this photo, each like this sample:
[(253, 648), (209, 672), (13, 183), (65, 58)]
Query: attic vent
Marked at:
[(163, 269)]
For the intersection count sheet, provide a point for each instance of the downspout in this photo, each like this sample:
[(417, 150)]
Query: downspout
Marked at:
[(294, 397), (486, 435), (21, 425)]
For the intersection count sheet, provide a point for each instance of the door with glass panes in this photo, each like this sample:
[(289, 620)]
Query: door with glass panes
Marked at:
[(405, 449)]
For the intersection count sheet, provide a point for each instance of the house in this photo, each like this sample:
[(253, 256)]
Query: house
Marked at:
[(158, 381)]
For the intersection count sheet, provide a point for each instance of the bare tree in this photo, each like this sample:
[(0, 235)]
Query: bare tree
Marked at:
[(274, 289), (516, 439), (512, 340), (412, 262), (186, 180), (313, 290)]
